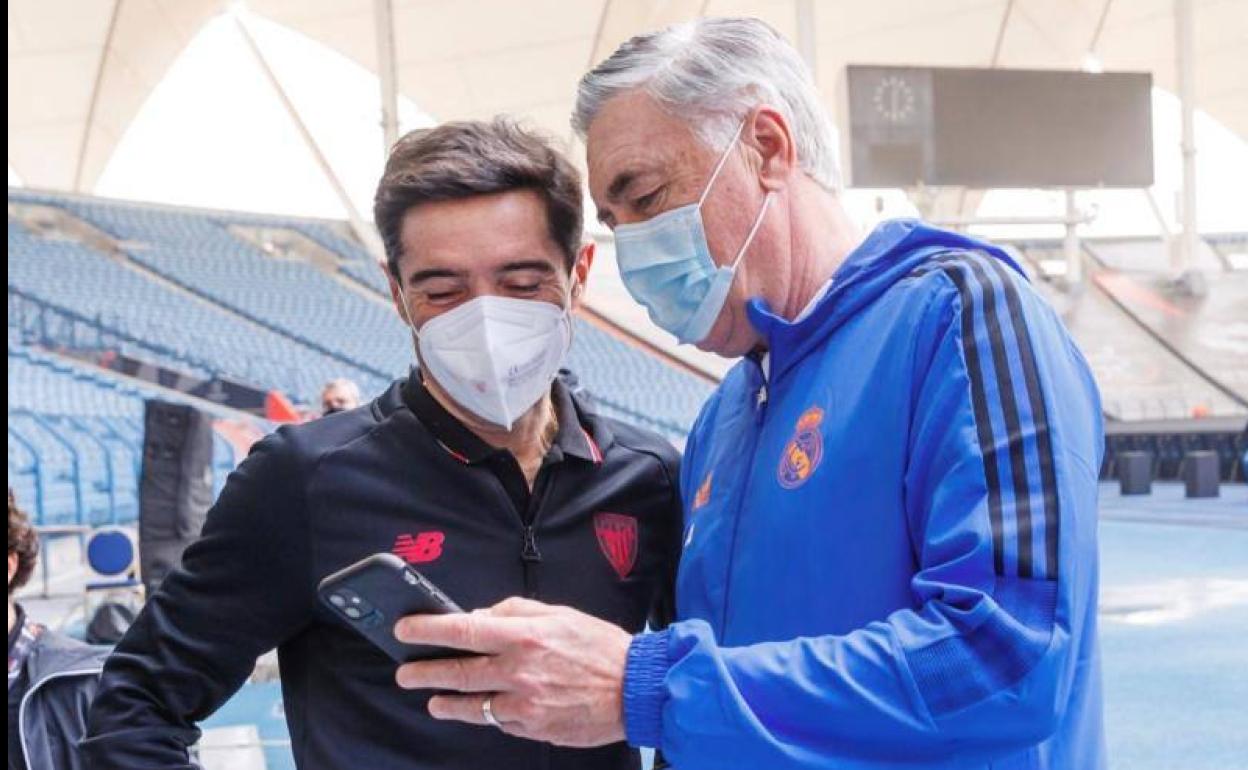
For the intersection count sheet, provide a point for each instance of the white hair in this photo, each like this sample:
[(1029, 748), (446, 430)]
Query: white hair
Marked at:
[(711, 73), (352, 390)]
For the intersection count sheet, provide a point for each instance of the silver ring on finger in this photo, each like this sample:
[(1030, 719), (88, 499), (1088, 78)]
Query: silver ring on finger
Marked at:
[(487, 711)]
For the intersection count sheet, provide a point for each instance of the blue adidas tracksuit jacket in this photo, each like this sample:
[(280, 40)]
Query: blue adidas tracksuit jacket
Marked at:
[(890, 554)]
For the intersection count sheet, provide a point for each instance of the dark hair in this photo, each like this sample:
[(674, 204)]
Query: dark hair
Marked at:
[(468, 158), (24, 542)]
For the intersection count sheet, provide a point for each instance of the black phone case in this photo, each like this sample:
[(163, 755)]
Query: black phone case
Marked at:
[(372, 594)]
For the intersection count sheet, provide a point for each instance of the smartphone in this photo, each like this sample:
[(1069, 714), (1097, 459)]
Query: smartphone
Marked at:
[(372, 594)]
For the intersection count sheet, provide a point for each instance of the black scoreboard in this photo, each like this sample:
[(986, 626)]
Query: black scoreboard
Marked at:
[(990, 128)]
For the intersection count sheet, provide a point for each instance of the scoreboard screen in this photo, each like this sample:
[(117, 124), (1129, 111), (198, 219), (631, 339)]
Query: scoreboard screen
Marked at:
[(990, 128)]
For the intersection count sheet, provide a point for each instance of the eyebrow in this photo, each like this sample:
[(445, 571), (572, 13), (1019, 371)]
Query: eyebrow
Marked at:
[(420, 276), (621, 184), (615, 191), (531, 264)]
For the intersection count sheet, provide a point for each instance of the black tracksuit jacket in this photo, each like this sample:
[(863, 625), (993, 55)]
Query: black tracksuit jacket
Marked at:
[(600, 532)]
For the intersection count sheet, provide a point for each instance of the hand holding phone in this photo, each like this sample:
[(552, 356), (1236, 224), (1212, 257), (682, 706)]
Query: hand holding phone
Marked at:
[(374, 593)]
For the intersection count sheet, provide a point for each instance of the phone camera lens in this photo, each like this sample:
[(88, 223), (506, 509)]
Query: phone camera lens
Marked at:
[(337, 600), (353, 613)]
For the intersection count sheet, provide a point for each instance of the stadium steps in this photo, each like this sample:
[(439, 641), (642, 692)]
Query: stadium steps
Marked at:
[(1142, 377), (1188, 356)]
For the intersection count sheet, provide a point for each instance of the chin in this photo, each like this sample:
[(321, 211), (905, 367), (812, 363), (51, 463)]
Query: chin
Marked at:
[(719, 348)]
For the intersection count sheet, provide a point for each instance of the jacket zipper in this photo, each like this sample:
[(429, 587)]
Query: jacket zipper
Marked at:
[(760, 416), (530, 554)]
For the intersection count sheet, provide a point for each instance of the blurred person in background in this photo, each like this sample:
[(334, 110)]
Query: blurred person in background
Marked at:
[(890, 543), (52, 678), (339, 395)]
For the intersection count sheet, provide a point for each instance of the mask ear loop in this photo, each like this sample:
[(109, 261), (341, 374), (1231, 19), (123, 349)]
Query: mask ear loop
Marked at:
[(749, 238), (719, 165), (575, 291), (407, 315)]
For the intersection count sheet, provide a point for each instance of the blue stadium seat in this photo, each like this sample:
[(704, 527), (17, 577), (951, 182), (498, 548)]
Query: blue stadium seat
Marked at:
[(75, 441)]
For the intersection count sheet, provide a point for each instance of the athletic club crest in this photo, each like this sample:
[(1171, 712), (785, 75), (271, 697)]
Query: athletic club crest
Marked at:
[(617, 537), (803, 452)]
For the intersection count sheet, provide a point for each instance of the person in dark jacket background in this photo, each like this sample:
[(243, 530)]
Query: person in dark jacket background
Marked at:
[(52, 678), (482, 468)]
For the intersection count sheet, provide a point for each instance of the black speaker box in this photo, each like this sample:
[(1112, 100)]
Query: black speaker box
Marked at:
[(175, 490)]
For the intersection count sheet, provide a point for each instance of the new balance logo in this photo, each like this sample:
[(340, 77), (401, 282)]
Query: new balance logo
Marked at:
[(421, 548)]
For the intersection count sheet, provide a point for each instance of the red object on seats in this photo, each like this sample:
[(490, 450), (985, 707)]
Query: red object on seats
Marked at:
[(278, 408)]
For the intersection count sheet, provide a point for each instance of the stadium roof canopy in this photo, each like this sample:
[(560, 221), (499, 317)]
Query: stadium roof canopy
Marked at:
[(79, 70)]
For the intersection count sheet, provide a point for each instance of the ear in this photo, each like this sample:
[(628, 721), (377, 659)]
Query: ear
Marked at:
[(580, 273), (13, 564), (767, 132)]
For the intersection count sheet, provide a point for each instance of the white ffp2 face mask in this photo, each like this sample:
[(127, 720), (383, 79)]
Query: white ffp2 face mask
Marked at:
[(496, 356)]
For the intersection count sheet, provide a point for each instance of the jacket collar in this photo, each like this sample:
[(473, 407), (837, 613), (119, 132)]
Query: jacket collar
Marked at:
[(578, 435)]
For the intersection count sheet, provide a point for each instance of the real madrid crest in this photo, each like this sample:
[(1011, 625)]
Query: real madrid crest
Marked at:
[(803, 452)]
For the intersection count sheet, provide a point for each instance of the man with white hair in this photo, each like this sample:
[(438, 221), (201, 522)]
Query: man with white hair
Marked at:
[(340, 395), (890, 537)]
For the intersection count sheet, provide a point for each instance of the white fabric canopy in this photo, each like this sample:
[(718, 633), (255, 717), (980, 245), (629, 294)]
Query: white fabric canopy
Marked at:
[(79, 70)]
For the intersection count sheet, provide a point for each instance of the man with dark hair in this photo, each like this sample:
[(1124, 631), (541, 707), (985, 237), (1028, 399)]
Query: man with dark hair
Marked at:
[(482, 468), (52, 678)]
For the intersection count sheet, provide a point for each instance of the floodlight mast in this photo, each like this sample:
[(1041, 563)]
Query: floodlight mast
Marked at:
[(383, 18), (1184, 257)]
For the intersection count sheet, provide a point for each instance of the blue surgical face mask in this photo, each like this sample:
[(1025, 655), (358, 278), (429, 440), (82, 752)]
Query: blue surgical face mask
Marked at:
[(666, 264)]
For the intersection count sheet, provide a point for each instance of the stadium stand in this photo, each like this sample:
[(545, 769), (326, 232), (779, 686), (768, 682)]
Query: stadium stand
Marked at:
[(1231, 248), (110, 305), (178, 289), (281, 322), (367, 275), (1146, 369), (75, 440)]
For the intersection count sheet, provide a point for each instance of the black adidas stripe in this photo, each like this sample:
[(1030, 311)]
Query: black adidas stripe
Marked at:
[(1009, 410), (983, 418), (1040, 417), (951, 264)]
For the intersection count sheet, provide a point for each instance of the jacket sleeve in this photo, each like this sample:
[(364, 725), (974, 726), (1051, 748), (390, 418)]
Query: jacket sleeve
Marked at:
[(980, 665), (242, 589)]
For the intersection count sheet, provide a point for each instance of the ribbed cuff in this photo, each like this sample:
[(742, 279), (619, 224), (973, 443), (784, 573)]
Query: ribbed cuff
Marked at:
[(644, 691)]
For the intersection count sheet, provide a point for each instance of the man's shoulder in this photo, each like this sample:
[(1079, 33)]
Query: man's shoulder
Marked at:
[(301, 447), (638, 440), (58, 655), (624, 436)]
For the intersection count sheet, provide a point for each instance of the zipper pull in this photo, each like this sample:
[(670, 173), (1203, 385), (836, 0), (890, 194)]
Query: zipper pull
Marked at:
[(530, 552), (760, 398)]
